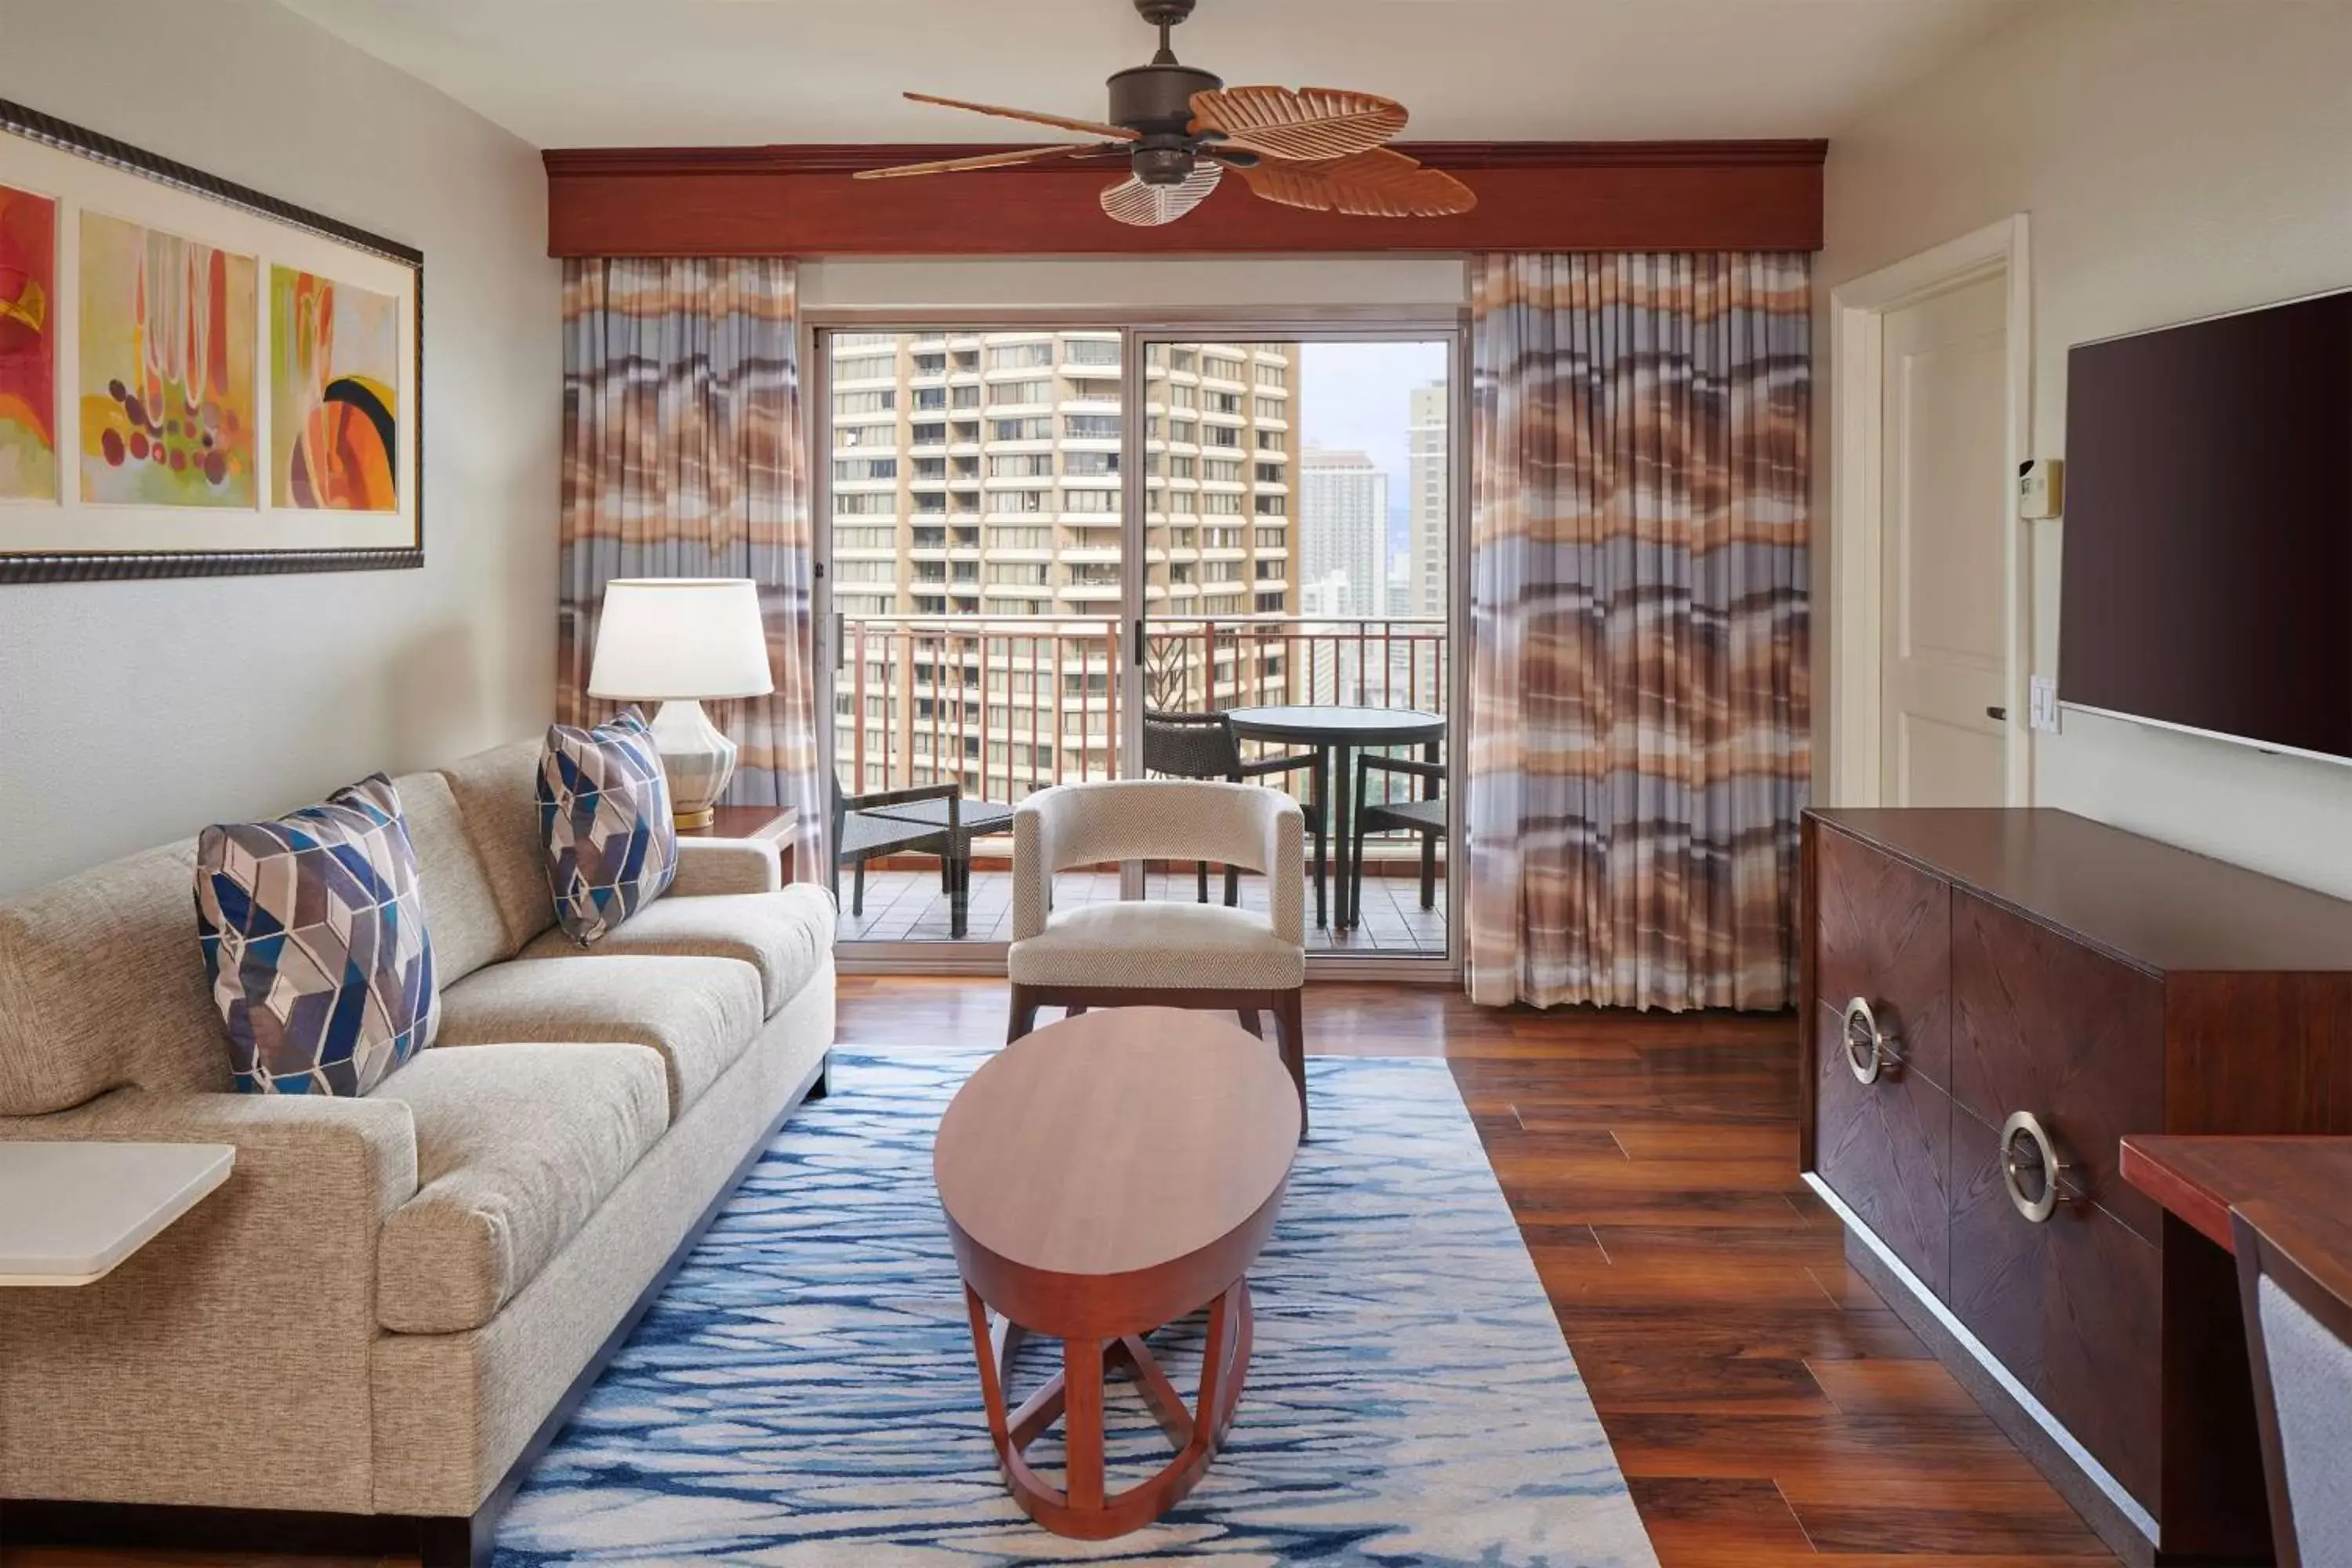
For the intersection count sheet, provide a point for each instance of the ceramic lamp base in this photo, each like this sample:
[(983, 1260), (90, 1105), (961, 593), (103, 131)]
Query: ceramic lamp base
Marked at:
[(696, 759)]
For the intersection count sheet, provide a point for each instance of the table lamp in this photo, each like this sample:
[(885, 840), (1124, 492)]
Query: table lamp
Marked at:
[(681, 641)]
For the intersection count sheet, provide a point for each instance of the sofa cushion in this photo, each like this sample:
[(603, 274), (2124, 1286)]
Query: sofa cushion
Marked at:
[(605, 816), (787, 935), (1159, 946), (496, 794), (313, 932), (516, 1146), (467, 929), (101, 985), (699, 1013)]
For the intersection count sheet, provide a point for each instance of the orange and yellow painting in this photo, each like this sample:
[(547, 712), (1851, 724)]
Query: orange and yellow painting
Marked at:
[(29, 347), (168, 349), (333, 386)]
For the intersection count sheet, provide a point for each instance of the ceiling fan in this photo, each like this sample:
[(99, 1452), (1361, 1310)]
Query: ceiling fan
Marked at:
[(1180, 128)]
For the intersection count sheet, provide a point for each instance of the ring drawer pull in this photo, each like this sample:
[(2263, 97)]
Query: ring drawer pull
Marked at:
[(2030, 1168), (1868, 1047)]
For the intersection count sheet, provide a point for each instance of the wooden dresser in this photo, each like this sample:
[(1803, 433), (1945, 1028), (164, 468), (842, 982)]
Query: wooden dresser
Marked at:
[(1994, 999)]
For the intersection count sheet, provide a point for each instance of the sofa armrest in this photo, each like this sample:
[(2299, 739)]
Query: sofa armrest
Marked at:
[(226, 1362), (708, 867)]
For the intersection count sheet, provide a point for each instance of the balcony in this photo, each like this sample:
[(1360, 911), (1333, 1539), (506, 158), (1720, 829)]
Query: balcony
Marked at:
[(1008, 705)]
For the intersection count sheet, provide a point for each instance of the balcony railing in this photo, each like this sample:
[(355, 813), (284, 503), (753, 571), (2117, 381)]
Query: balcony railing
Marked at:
[(1006, 706)]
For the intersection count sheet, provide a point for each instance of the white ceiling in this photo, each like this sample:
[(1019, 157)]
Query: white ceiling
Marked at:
[(583, 73)]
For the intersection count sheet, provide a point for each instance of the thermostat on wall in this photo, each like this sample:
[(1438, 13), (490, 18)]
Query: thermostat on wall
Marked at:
[(2041, 488)]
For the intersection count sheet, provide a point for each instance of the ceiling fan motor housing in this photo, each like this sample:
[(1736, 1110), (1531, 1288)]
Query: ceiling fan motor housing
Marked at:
[(1156, 100)]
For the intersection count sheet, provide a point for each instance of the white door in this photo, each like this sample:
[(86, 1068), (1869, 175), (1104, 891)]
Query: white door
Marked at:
[(1944, 495)]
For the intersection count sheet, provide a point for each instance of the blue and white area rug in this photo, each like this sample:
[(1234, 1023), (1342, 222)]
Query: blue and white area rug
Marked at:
[(806, 1394)]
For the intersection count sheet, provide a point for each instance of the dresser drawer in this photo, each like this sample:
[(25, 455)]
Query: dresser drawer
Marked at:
[(2043, 1024), (1882, 931), (2072, 1305), (1884, 1148)]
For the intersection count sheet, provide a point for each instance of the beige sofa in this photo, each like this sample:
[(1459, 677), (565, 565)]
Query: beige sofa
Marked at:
[(394, 1300)]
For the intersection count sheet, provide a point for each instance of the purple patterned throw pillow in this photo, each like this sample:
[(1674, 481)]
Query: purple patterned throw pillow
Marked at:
[(605, 818), (313, 932)]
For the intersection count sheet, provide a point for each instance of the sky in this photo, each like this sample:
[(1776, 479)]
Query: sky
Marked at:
[(1353, 396)]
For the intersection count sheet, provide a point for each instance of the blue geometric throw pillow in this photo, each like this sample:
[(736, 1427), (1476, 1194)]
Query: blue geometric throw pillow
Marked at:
[(605, 818), (314, 932)]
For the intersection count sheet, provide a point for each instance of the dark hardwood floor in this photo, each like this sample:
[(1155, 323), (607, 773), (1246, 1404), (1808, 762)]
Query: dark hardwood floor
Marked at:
[(1766, 1406)]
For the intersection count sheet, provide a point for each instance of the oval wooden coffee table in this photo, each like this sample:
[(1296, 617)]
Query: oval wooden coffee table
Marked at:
[(1102, 1177)]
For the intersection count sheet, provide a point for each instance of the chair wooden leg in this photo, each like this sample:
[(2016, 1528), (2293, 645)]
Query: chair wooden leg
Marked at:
[(1429, 870), (1024, 1015), (857, 893), (1290, 1038), (1076, 1010), (1250, 1021), (1232, 886), (1202, 866), (959, 897)]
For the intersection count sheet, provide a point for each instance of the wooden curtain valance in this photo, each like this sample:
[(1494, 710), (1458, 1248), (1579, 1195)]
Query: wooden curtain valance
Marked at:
[(1532, 195)]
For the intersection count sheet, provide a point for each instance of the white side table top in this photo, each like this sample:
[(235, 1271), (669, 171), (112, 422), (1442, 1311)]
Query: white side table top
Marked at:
[(70, 1212)]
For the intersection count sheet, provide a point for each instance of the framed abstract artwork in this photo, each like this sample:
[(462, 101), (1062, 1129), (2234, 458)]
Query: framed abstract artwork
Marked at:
[(196, 378)]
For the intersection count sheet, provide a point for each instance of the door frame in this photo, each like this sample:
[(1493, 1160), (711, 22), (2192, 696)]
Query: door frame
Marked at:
[(1136, 327), (1857, 310)]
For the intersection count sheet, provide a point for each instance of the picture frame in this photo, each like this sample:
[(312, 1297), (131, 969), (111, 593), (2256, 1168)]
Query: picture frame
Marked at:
[(196, 379)]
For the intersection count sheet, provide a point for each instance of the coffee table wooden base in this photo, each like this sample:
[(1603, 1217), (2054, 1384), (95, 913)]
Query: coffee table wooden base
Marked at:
[(1075, 1396)]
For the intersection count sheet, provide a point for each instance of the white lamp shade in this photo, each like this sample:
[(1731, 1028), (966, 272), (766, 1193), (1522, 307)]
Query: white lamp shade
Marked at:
[(687, 638)]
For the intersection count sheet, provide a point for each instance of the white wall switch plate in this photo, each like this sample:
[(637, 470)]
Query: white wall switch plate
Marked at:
[(2043, 708), (2041, 488)]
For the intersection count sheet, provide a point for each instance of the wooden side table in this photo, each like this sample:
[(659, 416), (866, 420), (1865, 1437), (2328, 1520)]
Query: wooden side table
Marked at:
[(1101, 1178), (779, 824), (69, 1213)]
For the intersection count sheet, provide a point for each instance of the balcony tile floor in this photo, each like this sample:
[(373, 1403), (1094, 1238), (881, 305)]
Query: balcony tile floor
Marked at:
[(907, 906)]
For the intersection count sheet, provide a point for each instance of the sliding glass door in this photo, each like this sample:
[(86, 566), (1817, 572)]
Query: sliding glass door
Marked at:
[(1297, 511), (1054, 551), (977, 580)]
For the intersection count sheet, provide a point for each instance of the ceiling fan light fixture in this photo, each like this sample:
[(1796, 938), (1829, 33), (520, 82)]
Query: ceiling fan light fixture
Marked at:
[(1323, 149)]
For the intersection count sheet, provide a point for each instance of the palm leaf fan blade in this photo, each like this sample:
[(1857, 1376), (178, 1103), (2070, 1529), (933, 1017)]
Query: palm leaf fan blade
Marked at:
[(987, 160), (1312, 124), (1373, 183)]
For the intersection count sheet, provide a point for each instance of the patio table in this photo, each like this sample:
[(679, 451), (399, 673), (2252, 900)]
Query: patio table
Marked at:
[(974, 819), (1333, 733)]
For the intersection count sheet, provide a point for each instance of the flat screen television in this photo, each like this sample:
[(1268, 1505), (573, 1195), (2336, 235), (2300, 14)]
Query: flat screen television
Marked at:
[(2206, 577)]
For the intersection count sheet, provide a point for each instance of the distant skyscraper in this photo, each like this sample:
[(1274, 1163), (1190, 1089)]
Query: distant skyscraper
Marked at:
[(1325, 595), (1430, 501), (1343, 525)]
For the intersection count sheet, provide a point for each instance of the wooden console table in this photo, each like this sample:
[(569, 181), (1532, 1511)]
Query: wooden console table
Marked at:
[(1994, 1002)]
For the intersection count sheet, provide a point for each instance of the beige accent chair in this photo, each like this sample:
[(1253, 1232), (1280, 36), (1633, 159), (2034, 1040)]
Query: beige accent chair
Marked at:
[(363, 1340), (1136, 953)]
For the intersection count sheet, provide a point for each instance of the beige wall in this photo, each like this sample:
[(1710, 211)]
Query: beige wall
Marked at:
[(135, 712), (2177, 158)]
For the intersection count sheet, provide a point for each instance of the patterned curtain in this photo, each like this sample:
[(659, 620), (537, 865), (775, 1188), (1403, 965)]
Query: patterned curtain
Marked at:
[(1639, 713), (682, 458)]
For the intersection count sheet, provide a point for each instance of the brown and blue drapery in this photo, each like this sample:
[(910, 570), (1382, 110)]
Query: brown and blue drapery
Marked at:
[(682, 457), (1639, 741)]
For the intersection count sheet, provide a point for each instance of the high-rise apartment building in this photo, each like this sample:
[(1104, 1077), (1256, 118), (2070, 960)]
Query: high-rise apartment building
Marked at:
[(975, 487), (1343, 525), (1431, 503)]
